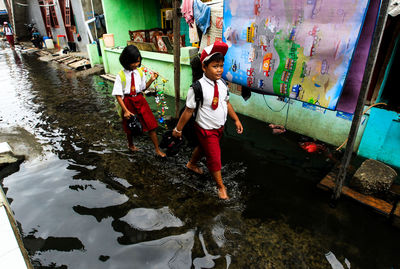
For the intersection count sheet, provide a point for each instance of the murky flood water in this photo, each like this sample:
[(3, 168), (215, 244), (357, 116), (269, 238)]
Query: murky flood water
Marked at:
[(83, 201)]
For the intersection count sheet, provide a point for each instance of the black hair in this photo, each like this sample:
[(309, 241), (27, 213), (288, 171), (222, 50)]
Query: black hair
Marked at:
[(217, 57), (129, 55), (197, 70)]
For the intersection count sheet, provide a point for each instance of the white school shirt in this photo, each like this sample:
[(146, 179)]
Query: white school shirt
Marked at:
[(207, 118), (140, 83), (8, 30)]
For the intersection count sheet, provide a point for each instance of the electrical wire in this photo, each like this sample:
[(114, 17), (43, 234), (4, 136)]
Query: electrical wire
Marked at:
[(287, 111), (272, 108)]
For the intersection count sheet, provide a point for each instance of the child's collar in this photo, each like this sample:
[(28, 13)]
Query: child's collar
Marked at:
[(128, 70), (209, 80)]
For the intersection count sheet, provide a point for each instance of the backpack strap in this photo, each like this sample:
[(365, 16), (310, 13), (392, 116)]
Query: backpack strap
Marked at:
[(121, 74), (198, 96), (123, 78), (226, 84), (140, 70)]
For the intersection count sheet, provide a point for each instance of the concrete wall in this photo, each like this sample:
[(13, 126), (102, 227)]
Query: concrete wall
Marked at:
[(35, 16), (124, 15), (20, 14), (80, 25)]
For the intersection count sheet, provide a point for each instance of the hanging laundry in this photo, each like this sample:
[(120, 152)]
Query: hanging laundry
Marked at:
[(394, 8), (193, 35), (214, 32), (100, 21), (202, 14), (187, 11)]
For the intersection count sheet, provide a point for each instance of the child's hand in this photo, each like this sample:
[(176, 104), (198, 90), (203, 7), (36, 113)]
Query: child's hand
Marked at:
[(239, 127), (176, 133), (128, 114), (154, 76)]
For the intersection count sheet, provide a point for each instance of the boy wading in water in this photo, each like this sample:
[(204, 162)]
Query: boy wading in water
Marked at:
[(211, 116)]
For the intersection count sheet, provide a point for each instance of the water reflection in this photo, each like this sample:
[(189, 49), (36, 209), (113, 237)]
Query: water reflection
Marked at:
[(148, 219), (169, 252), (208, 260)]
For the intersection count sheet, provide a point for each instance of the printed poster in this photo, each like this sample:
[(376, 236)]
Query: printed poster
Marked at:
[(296, 48)]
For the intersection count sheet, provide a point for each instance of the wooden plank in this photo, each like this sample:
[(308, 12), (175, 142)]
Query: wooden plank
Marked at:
[(108, 77), (70, 61), (79, 64), (71, 58), (59, 57), (63, 59), (378, 204)]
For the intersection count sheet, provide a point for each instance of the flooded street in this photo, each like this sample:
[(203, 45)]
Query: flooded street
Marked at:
[(82, 200)]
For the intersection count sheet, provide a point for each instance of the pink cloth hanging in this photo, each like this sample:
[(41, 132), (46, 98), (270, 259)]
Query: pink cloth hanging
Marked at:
[(187, 11)]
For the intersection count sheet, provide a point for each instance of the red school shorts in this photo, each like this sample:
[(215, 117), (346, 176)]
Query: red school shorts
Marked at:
[(209, 143), (139, 106)]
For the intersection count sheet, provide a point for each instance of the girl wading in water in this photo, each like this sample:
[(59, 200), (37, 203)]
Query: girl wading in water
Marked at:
[(128, 89)]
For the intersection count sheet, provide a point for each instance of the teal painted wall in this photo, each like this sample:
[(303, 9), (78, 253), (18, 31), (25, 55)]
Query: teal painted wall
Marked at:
[(124, 15), (381, 139)]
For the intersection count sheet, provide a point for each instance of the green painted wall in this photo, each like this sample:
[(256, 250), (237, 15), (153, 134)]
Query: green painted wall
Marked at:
[(124, 15), (94, 56), (159, 62)]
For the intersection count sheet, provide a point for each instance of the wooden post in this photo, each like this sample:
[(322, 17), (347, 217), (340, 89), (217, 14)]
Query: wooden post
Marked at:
[(177, 55), (376, 41)]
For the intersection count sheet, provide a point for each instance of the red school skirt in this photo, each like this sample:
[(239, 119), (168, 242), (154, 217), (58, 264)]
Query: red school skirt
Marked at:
[(10, 40), (139, 106)]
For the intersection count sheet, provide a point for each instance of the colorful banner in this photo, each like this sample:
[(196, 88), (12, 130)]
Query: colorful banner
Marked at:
[(296, 48)]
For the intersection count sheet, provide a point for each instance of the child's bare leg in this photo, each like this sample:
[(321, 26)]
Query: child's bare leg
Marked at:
[(220, 185), (131, 146), (196, 156), (154, 139)]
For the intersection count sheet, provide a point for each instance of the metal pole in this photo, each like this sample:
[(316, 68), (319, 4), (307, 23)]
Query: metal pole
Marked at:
[(365, 84), (177, 55), (95, 30)]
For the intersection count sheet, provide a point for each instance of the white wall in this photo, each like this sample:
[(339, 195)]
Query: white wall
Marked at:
[(80, 21), (2, 5)]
